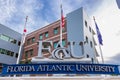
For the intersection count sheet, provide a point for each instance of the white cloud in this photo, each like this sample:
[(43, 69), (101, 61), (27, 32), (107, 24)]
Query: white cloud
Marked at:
[(7, 8), (108, 17), (13, 14)]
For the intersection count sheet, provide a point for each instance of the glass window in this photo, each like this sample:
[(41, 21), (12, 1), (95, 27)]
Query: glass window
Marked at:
[(63, 42), (55, 44), (6, 38), (33, 39), (89, 28), (31, 52), (0, 50), (86, 39), (86, 23), (63, 30), (87, 56), (16, 55), (45, 46), (12, 54), (26, 54), (3, 51), (3, 37), (46, 34), (14, 41), (19, 43), (91, 44), (92, 60), (8, 52), (40, 36), (56, 31), (28, 41)]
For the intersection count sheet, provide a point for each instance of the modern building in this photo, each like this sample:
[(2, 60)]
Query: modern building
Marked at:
[(77, 31), (9, 45)]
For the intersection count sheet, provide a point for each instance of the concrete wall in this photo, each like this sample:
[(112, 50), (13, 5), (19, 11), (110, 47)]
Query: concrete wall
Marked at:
[(77, 32), (5, 59), (62, 78)]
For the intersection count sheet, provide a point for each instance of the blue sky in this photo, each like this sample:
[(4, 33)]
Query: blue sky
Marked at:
[(44, 12), (40, 12)]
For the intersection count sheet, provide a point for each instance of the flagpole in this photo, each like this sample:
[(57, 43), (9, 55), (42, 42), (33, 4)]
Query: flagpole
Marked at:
[(22, 42), (101, 53), (61, 25)]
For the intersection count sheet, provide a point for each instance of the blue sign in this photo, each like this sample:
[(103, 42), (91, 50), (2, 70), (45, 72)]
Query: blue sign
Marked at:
[(60, 68)]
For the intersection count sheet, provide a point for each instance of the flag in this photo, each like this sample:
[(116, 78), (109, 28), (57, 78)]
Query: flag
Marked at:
[(25, 30), (118, 3), (62, 18), (98, 34)]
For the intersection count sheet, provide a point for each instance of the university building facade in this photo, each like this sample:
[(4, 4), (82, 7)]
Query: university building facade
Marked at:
[(9, 45), (77, 31)]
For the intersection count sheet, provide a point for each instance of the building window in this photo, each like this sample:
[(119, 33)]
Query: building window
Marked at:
[(63, 30), (55, 44), (89, 28), (33, 39), (28, 41), (0, 50), (3, 51), (86, 23), (12, 54), (40, 36), (26, 54), (56, 31), (46, 34), (31, 52), (92, 60), (86, 39), (4, 37), (16, 55), (91, 44), (87, 56), (12, 40), (19, 43), (6, 52), (63, 42)]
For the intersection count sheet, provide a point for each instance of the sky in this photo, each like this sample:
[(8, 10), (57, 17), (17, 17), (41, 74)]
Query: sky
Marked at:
[(44, 12)]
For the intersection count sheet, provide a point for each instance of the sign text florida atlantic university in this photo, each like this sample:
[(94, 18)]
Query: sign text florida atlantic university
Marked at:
[(60, 68), (50, 66)]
